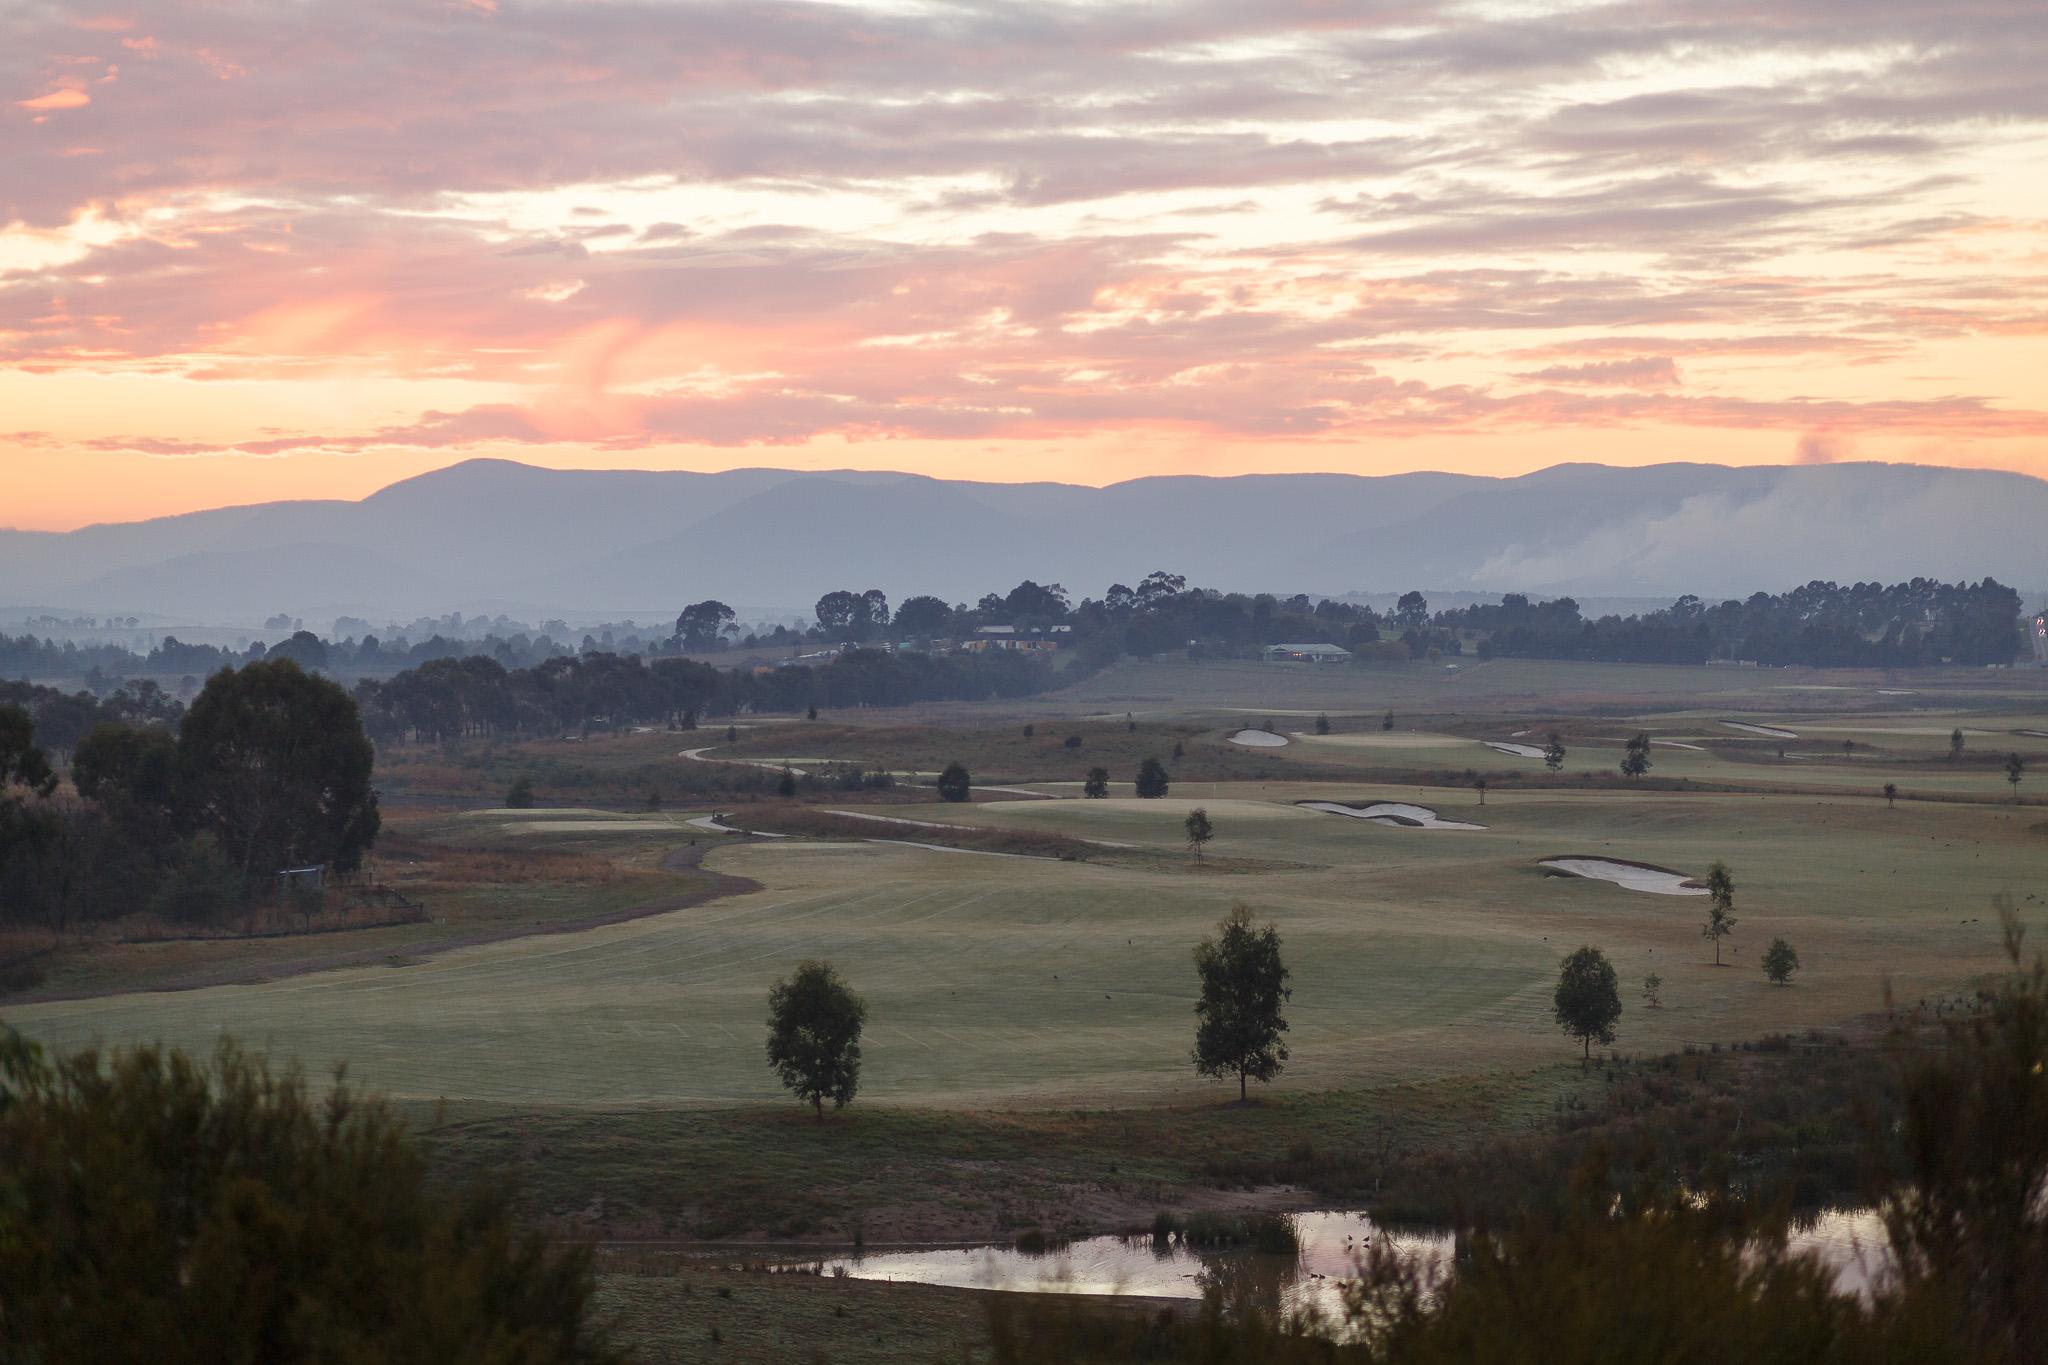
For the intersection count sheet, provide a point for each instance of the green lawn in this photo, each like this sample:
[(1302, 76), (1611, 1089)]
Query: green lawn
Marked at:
[(996, 980)]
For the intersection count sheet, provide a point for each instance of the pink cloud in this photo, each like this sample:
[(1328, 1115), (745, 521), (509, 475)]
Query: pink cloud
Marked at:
[(68, 97)]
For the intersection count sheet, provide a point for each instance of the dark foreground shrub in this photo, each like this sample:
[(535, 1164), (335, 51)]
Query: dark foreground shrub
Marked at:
[(159, 1210)]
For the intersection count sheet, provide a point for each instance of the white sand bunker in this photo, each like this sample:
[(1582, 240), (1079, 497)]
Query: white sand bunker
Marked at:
[(2033, 734), (1518, 750), (1675, 744), (712, 822), (1396, 813), (892, 819), (1661, 881), (1769, 731), (590, 826), (1258, 739)]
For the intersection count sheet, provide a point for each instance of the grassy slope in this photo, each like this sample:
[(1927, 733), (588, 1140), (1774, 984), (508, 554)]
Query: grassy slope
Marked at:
[(1021, 981)]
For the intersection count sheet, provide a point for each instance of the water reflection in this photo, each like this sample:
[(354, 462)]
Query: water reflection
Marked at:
[(1328, 1244), (1849, 1242)]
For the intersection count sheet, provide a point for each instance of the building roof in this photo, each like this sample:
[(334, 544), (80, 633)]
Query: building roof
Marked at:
[(1328, 651)]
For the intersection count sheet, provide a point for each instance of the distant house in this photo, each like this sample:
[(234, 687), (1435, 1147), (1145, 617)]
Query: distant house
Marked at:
[(1306, 654), (290, 879)]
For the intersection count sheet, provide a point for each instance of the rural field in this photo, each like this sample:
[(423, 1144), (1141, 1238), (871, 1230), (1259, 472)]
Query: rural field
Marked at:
[(583, 1007), (1000, 979)]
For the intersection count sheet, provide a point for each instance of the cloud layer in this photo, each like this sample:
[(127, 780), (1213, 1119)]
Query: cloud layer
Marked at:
[(1351, 232)]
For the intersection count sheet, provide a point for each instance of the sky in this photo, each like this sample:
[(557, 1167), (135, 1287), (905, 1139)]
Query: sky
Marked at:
[(260, 249)]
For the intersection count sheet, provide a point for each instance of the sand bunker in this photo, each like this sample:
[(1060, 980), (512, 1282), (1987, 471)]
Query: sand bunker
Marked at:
[(542, 813), (712, 822), (1396, 813), (2033, 734), (590, 826), (1661, 881), (1258, 739), (892, 819), (1518, 750), (1674, 744), (1391, 739), (1768, 731), (948, 848)]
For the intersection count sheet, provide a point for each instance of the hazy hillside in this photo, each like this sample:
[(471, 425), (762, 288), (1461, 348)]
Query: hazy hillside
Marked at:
[(508, 536)]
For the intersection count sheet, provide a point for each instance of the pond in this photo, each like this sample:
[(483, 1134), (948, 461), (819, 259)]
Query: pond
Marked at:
[(1849, 1243)]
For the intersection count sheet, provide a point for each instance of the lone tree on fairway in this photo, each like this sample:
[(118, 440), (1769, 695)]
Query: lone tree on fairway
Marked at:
[(1323, 724), (2014, 771), (1653, 991), (1237, 1020), (1097, 785), (814, 1025), (1553, 753), (1891, 795), (520, 796), (1955, 742), (954, 782), (1780, 961), (1387, 721), (1151, 779), (1636, 761), (1479, 785), (1200, 831), (786, 788), (1588, 999), (1721, 912)]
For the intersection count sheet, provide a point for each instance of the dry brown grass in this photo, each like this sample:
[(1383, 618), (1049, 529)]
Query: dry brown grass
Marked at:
[(416, 865)]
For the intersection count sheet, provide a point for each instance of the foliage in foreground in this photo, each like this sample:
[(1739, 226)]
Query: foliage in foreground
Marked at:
[(158, 1209)]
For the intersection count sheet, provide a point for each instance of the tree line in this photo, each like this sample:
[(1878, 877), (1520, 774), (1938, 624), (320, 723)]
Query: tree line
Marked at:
[(455, 698), (1822, 625)]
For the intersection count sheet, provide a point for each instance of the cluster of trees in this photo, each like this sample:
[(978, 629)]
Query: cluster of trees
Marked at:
[(268, 769), (62, 719), (1161, 613), (1822, 624)]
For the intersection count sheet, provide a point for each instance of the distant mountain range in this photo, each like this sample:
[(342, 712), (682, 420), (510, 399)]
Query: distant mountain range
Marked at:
[(491, 535)]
